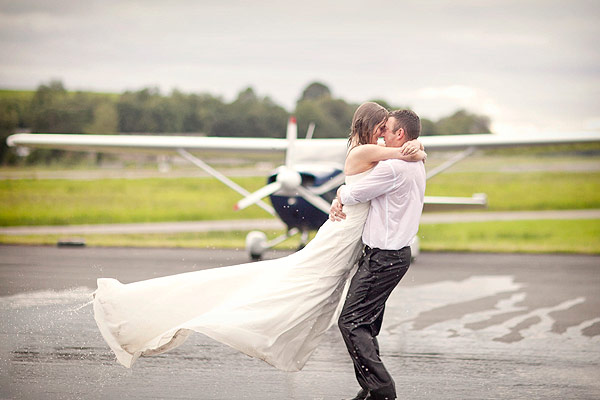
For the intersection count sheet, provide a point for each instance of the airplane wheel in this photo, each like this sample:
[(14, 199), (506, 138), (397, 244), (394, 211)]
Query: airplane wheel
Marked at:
[(256, 244)]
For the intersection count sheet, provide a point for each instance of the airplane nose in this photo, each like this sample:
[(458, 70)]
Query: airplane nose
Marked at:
[(289, 179)]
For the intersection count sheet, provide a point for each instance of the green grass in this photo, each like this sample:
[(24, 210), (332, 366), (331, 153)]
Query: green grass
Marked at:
[(28, 94), (544, 236), (16, 94), (58, 202), (63, 202), (523, 191), (540, 236)]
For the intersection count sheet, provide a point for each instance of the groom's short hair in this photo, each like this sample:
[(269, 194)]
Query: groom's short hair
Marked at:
[(409, 121)]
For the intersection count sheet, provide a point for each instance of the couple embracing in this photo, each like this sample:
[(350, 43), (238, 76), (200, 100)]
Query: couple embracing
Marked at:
[(278, 310)]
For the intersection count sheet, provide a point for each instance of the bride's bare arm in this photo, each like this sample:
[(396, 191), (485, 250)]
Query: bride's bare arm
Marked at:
[(371, 153), (363, 157)]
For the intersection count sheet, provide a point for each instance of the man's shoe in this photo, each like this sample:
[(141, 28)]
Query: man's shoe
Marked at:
[(376, 396), (362, 395)]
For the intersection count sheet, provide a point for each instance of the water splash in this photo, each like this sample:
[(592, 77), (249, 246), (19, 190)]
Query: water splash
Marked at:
[(47, 298)]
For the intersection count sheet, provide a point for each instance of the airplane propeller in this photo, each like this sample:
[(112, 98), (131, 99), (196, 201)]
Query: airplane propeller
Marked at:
[(288, 181)]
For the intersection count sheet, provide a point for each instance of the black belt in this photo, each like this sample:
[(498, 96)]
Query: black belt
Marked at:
[(368, 248)]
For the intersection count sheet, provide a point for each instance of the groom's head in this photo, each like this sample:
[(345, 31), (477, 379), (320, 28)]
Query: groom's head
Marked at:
[(401, 126)]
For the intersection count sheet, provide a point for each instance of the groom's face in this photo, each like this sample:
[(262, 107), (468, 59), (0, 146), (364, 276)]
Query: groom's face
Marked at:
[(393, 139)]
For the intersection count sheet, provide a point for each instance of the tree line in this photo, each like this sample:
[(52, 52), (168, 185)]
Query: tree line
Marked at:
[(54, 109)]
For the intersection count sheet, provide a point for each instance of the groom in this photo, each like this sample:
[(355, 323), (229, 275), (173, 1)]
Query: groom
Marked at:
[(396, 190)]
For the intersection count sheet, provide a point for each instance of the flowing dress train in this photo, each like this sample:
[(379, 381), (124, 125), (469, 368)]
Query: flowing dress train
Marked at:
[(274, 310)]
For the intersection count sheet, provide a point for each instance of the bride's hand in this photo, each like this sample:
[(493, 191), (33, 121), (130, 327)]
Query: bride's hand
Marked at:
[(420, 155), (411, 147)]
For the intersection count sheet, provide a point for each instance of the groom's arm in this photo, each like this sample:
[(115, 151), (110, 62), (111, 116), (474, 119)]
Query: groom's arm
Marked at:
[(381, 180)]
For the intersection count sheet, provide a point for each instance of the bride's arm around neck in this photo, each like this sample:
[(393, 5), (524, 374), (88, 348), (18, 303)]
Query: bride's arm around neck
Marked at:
[(364, 157)]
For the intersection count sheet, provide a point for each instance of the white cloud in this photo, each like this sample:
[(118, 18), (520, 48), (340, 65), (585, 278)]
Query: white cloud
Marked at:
[(456, 92), (523, 63), (592, 124)]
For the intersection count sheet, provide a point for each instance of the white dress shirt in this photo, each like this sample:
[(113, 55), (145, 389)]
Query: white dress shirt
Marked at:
[(396, 190)]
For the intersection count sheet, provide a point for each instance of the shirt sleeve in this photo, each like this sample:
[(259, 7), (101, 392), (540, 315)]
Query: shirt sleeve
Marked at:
[(381, 180)]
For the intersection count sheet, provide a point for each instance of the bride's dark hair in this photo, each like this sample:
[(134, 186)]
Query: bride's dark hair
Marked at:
[(366, 118)]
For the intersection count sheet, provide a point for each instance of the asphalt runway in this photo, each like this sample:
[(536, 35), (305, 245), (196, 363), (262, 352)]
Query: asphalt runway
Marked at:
[(459, 326)]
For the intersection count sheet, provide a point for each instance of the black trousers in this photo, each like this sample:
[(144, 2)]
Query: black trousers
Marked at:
[(379, 272)]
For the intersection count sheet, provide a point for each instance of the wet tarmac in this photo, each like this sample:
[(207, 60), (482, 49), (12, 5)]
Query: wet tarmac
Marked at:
[(459, 326)]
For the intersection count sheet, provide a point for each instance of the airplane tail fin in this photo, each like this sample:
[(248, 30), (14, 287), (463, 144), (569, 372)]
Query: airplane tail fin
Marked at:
[(291, 136)]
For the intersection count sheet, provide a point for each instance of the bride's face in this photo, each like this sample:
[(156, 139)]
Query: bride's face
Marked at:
[(378, 131)]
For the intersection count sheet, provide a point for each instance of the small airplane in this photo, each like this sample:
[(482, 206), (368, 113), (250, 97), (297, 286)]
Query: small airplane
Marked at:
[(302, 189)]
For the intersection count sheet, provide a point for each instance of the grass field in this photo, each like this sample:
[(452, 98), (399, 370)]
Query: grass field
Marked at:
[(542, 236), (58, 202), (63, 202), (523, 183), (25, 95)]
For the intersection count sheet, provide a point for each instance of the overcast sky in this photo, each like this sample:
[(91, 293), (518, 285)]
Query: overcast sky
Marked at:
[(530, 65)]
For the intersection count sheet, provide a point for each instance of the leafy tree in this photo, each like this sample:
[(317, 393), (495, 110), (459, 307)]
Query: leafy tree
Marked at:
[(54, 110), (187, 109), (14, 116), (148, 111), (145, 111), (106, 119), (247, 96), (9, 119), (463, 122), (428, 127), (332, 117), (311, 111), (315, 91), (208, 109), (251, 116)]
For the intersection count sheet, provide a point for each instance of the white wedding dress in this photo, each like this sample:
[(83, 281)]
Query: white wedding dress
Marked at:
[(274, 310)]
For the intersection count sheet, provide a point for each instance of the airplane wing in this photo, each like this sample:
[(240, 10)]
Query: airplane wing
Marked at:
[(335, 150), (450, 142), (143, 143), (304, 150), (332, 148)]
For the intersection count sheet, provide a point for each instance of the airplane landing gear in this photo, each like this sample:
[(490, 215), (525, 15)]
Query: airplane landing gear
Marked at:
[(257, 244), (303, 240)]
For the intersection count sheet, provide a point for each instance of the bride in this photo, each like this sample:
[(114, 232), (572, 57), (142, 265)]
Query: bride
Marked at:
[(274, 310)]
